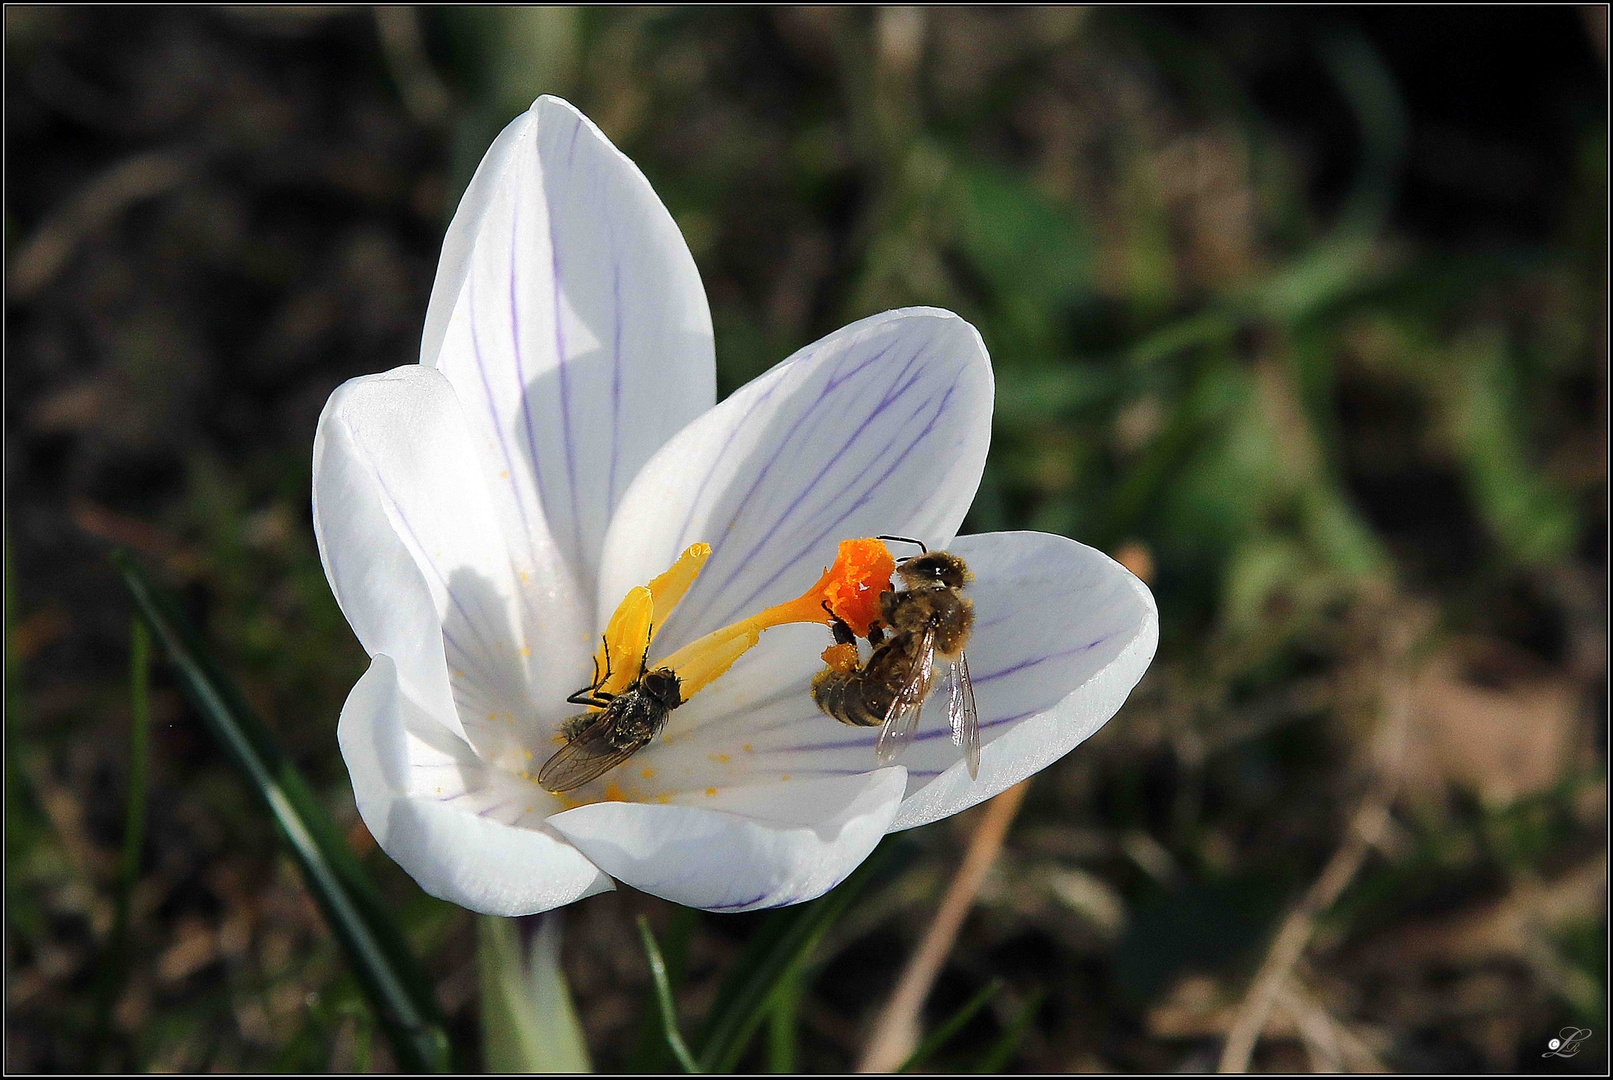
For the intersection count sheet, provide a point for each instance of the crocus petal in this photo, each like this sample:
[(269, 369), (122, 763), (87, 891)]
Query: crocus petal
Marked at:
[(453, 264), (881, 427), (578, 335), (468, 832), (744, 848), (1062, 634), (412, 548)]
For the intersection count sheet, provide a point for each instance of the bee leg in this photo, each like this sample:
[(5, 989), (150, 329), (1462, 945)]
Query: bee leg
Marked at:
[(876, 633), (838, 627)]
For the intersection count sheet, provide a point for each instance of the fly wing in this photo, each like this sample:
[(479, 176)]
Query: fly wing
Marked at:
[(589, 755), (964, 716), (902, 718)]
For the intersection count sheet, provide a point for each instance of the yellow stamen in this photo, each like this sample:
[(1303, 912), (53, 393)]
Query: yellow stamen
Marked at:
[(626, 637), (669, 588), (850, 588), (640, 616)]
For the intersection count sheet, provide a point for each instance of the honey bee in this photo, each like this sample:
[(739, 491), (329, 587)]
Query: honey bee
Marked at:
[(599, 741), (929, 618)]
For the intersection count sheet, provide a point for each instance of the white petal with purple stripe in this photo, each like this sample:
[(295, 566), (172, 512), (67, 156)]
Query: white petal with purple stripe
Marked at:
[(1062, 634), (744, 848), (394, 449), (881, 427), (576, 335), (467, 831)]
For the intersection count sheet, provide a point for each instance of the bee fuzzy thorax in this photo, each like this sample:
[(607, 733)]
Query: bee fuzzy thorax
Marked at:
[(935, 568)]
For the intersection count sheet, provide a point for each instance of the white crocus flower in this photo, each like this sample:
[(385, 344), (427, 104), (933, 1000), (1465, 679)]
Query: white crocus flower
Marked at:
[(482, 514)]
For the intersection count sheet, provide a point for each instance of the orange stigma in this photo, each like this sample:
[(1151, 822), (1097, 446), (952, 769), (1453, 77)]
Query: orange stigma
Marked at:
[(850, 589)]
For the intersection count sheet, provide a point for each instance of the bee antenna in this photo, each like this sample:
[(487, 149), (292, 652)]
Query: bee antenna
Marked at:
[(907, 540)]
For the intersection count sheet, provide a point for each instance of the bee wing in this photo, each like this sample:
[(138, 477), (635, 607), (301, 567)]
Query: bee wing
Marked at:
[(586, 757), (902, 718), (962, 713)]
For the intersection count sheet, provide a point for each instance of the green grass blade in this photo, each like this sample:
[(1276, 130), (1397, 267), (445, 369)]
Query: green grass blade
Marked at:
[(115, 963), (940, 1036), (780, 946), (651, 1054), (392, 979), (781, 1022), (1002, 1051), (663, 997)]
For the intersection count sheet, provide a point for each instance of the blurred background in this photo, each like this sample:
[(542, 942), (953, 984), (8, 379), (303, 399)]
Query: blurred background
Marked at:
[(1301, 314)]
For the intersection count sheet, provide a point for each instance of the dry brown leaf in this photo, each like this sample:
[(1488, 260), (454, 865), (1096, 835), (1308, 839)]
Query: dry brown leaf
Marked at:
[(1488, 718)]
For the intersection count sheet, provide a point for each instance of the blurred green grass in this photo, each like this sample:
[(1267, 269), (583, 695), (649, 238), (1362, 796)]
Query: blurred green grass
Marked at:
[(1256, 331)]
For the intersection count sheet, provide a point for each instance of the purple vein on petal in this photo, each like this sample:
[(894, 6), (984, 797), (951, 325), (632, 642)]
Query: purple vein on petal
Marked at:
[(453, 598), (415, 540), (722, 455), (827, 467), (757, 899), (564, 364), (786, 565), (862, 500), (465, 660), (615, 363), (1024, 664), (989, 677), (729, 442), (498, 427), (778, 451), (922, 736)]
